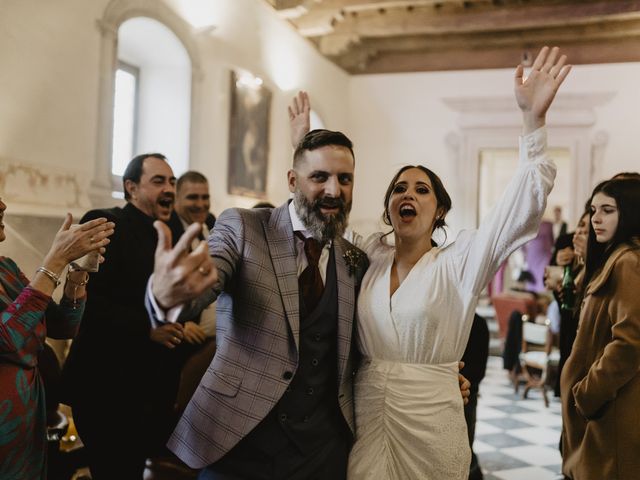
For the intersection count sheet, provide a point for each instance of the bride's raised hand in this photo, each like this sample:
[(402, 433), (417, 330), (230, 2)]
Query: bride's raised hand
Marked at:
[(536, 92)]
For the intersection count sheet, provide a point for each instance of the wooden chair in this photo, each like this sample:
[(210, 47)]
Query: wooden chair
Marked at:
[(539, 357), (507, 302)]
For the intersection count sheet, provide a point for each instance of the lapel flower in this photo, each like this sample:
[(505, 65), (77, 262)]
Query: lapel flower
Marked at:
[(355, 259)]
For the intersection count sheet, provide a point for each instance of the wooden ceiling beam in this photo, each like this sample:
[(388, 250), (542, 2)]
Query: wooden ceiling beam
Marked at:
[(312, 18), (532, 37), (430, 20), (615, 51), (285, 4), (380, 36)]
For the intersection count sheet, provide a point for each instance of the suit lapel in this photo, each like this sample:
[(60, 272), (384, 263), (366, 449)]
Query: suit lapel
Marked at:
[(346, 306), (280, 241)]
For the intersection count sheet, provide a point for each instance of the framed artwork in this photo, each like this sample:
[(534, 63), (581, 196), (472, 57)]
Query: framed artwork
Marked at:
[(248, 136)]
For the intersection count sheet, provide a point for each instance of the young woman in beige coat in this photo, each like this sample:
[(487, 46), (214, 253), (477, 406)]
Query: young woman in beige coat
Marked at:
[(601, 380)]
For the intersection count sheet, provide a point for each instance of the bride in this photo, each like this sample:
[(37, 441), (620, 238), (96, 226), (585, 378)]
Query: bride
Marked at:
[(417, 300)]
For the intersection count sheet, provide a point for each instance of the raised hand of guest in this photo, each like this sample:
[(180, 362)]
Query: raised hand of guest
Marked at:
[(536, 92), (299, 117), (564, 256), (170, 334), (70, 244), (180, 275)]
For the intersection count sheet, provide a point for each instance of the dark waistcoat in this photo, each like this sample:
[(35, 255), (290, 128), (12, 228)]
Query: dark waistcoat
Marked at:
[(308, 414)]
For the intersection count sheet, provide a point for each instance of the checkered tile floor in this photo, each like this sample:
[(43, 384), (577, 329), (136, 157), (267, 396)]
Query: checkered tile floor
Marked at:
[(516, 439)]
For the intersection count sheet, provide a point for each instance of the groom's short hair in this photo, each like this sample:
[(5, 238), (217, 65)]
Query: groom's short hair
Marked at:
[(321, 138)]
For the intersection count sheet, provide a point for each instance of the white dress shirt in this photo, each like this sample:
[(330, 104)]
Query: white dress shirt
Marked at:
[(301, 257)]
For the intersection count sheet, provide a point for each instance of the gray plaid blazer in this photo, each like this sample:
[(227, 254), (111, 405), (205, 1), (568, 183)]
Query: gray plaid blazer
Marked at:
[(258, 327)]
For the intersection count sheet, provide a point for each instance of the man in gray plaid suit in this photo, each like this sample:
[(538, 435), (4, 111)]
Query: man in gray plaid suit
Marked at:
[(276, 401)]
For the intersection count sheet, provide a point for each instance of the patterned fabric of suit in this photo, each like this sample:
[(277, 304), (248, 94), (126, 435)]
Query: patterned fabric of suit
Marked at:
[(28, 315), (258, 333)]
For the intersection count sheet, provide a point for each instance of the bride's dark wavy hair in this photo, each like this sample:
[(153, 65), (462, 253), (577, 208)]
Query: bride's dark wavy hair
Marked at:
[(442, 197)]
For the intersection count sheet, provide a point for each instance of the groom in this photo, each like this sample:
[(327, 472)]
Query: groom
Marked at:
[(276, 402)]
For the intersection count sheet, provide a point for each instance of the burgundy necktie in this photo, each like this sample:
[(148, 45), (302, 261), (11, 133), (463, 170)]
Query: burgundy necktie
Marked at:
[(310, 281)]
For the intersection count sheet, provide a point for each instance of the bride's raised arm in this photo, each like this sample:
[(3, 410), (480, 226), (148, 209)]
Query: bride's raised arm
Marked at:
[(516, 217)]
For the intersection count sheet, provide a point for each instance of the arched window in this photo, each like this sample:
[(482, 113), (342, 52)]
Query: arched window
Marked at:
[(152, 99), (168, 123)]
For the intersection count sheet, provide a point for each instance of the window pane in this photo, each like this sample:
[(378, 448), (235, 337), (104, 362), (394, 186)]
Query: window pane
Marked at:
[(124, 113)]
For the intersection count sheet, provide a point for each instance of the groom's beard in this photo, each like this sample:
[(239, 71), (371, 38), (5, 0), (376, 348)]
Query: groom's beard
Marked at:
[(322, 228)]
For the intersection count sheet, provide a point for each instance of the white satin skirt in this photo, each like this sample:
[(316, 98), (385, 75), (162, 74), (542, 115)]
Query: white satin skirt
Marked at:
[(409, 423)]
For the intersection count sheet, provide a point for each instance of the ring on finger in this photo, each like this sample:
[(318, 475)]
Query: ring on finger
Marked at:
[(203, 271)]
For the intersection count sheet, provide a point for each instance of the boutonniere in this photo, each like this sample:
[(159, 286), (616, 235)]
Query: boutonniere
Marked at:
[(355, 259)]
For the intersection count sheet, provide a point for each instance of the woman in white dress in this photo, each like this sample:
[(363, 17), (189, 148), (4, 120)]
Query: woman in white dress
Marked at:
[(417, 302)]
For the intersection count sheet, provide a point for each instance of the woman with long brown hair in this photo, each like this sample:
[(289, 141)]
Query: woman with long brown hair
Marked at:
[(600, 382)]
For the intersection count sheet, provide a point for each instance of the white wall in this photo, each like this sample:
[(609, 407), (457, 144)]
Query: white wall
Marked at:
[(48, 106), (401, 118), (50, 57)]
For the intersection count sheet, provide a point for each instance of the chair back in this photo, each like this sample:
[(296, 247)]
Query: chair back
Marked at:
[(534, 333), (506, 302)]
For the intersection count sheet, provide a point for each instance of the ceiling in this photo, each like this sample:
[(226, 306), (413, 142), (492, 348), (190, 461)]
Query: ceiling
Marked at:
[(382, 36)]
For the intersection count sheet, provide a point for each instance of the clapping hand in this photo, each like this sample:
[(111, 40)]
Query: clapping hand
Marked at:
[(535, 93), (180, 275), (299, 117), (70, 244)]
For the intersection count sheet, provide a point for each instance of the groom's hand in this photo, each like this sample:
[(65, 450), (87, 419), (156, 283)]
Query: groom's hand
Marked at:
[(179, 274), (465, 385)]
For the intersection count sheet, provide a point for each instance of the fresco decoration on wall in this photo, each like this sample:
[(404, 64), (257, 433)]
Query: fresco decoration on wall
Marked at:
[(38, 185), (248, 136)]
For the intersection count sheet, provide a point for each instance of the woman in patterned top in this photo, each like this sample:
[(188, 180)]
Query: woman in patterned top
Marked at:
[(28, 316)]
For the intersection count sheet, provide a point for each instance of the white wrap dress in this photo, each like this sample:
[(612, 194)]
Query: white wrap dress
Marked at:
[(409, 411)]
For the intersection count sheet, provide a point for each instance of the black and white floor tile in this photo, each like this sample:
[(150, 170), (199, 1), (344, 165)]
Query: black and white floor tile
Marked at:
[(516, 439)]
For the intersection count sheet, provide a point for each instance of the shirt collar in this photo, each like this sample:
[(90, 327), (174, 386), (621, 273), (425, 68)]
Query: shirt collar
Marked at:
[(297, 224)]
